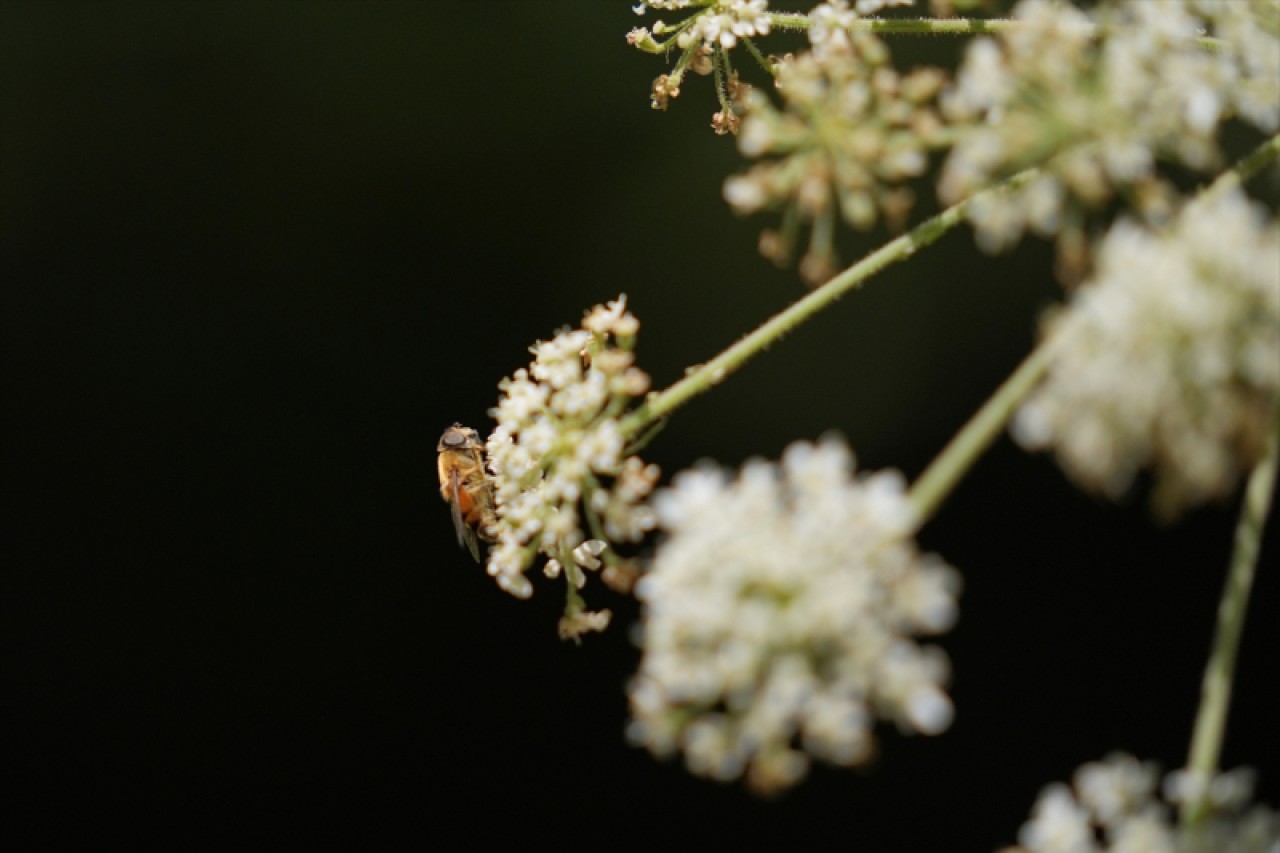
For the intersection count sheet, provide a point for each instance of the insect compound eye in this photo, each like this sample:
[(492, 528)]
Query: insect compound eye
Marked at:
[(453, 437)]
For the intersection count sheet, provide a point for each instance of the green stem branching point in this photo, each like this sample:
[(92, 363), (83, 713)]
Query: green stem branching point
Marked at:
[(1215, 690), (945, 472), (715, 371)]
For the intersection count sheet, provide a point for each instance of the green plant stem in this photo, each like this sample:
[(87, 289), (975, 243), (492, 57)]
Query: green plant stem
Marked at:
[(1246, 168), (942, 475), (939, 26), (968, 26), (1215, 690), (790, 20), (933, 27), (758, 56), (715, 371), (936, 26), (905, 26), (932, 487)]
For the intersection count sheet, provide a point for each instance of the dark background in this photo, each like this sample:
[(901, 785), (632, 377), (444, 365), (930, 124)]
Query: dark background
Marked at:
[(255, 256)]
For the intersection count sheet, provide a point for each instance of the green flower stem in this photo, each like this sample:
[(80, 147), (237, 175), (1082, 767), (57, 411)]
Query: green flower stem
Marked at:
[(1242, 171), (652, 45), (1215, 690), (932, 487), (965, 26), (942, 475), (715, 371), (573, 603), (718, 60), (758, 56), (682, 64), (936, 26), (790, 20), (905, 26)]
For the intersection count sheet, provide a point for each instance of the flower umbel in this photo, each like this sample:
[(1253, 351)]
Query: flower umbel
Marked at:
[(1113, 806), (850, 132), (779, 618), (565, 483), (1097, 99), (1169, 358), (705, 37)]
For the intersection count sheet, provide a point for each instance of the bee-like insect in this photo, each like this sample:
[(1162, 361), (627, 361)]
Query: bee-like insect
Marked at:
[(464, 485)]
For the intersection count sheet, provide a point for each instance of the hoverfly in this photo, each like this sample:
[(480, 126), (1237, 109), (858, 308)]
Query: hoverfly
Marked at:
[(464, 485)]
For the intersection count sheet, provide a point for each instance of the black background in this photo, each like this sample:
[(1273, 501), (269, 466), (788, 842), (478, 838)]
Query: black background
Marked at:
[(257, 255)]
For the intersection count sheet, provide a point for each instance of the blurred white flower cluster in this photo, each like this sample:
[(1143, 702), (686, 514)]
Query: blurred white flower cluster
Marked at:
[(780, 615), (1114, 807), (1097, 98), (850, 131), (559, 459), (1251, 33), (1169, 358)]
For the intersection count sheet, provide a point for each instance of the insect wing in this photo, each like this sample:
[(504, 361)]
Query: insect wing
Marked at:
[(466, 536)]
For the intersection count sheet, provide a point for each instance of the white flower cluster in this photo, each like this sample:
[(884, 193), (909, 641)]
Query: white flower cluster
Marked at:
[(831, 22), (1168, 359), (851, 131), (1114, 807), (779, 617), (558, 454), (704, 37), (1251, 33), (1096, 100), (726, 21), (720, 23)]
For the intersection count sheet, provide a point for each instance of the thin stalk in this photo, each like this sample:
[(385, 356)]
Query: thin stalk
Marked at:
[(907, 26), (932, 487), (1215, 690), (713, 372), (758, 56), (790, 20), (1246, 168), (717, 61), (942, 475), (942, 26), (936, 26)]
